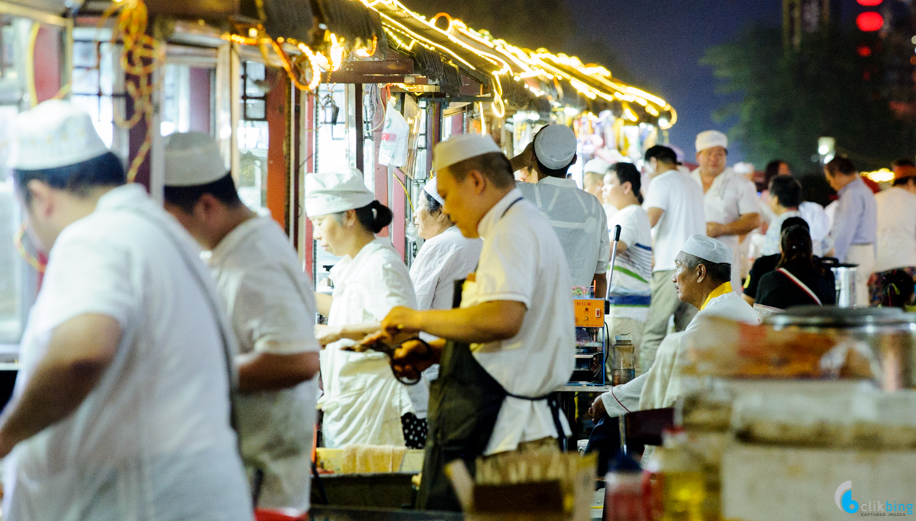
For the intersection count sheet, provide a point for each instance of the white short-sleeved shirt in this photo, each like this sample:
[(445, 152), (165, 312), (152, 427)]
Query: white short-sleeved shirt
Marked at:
[(580, 224), (271, 304), (519, 263), (682, 202), (730, 196), (362, 401), (442, 260), (629, 294), (896, 229), (152, 440)]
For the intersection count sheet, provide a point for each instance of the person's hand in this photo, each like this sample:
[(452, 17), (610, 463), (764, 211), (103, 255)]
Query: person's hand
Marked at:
[(597, 410), (411, 359), (715, 229), (327, 334), (400, 324)]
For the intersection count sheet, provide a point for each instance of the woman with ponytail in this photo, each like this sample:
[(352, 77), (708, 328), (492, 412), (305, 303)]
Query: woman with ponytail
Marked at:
[(797, 281), (362, 402)]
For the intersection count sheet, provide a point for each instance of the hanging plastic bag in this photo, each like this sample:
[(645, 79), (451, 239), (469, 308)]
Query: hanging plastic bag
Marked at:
[(395, 134)]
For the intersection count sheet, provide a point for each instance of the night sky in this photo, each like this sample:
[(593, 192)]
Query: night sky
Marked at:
[(661, 42)]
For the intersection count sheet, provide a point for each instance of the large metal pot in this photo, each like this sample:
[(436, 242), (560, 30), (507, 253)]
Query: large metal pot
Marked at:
[(890, 333), (845, 277)]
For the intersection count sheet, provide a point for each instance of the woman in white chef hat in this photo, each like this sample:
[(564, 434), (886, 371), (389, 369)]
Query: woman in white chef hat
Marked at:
[(362, 402)]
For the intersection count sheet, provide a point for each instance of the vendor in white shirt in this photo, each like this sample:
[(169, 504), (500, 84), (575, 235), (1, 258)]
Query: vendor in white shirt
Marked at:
[(122, 402), (446, 254), (896, 229), (577, 217), (730, 201), (702, 278), (363, 403), (511, 343), (272, 308)]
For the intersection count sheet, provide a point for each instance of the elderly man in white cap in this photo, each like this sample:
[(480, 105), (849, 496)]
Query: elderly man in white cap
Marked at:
[(730, 202), (122, 403), (363, 403), (702, 278), (272, 308), (577, 217), (511, 342), (593, 176)]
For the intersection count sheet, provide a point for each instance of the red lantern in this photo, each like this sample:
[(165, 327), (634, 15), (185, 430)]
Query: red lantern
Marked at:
[(869, 3), (870, 22)]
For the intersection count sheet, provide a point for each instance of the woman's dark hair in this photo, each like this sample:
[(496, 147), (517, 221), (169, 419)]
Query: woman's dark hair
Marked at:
[(787, 190), (78, 179), (627, 173), (795, 243), (432, 205), (185, 197), (772, 170), (374, 217)]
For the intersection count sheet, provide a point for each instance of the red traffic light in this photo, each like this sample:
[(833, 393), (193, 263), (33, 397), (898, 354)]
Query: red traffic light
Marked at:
[(869, 3), (870, 22)]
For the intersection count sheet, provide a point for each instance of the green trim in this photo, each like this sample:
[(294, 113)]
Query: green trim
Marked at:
[(630, 273)]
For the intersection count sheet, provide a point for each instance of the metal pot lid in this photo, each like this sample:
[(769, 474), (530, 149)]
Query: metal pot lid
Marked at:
[(834, 317)]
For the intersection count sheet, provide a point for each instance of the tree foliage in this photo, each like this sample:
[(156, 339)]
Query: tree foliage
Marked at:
[(790, 98)]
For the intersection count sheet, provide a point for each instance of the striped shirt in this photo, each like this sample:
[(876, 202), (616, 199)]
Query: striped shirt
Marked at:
[(629, 293)]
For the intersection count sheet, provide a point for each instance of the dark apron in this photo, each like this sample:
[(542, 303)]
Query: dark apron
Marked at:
[(464, 403)]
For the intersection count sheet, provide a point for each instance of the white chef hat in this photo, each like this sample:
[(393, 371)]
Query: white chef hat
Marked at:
[(462, 147), (708, 249), (555, 146), (597, 166), (743, 168), (711, 138), (192, 159), (432, 190), (54, 134), (335, 192)]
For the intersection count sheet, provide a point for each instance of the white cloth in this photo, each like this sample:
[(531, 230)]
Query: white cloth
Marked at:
[(442, 260), (519, 262), (272, 307), (192, 159), (709, 139), (54, 134), (629, 292), (462, 147), (729, 197), (362, 401), (682, 202), (818, 222), (660, 386), (863, 256), (555, 146), (896, 229), (152, 440), (336, 192), (708, 249), (579, 221)]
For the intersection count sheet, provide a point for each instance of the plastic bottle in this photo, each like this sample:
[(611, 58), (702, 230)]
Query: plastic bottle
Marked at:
[(623, 500), (624, 368), (680, 479)]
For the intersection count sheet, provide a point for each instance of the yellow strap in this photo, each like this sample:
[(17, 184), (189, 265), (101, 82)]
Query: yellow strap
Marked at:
[(724, 289)]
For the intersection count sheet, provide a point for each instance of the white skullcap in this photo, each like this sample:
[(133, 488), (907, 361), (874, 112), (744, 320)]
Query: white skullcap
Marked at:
[(597, 166), (335, 193), (54, 134), (432, 190), (708, 249), (711, 138), (192, 159), (555, 146), (461, 147), (743, 168)]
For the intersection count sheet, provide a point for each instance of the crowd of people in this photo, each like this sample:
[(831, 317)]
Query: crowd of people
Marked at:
[(154, 381)]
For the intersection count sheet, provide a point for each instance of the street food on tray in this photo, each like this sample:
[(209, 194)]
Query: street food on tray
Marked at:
[(739, 350)]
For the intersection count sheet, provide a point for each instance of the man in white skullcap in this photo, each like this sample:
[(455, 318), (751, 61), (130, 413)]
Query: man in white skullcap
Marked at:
[(593, 176), (122, 403), (510, 343), (271, 305), (702, 278), (577, 217), (730, 201)]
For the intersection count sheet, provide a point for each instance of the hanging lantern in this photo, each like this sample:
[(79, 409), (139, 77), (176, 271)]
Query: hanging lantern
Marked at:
[(870, 22)]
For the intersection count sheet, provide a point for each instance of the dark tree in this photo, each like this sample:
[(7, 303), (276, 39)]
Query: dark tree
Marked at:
[(790, 98)]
